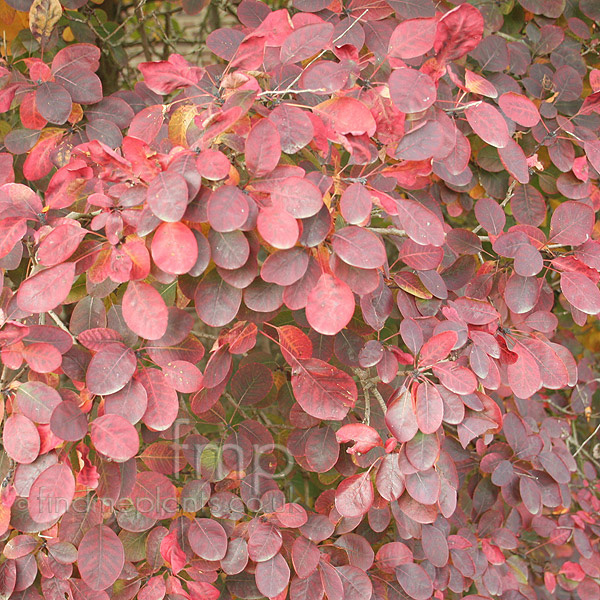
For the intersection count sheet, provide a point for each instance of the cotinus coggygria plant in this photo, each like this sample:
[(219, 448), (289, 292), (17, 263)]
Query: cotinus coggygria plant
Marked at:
[(306, 310)]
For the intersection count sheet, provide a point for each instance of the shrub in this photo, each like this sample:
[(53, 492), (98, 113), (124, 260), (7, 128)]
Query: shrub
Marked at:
[(315, 319)]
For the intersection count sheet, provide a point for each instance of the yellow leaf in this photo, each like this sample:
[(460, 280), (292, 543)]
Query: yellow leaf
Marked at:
[(43, 16), (12, 22), (4, 518), (477, 192), (76, 113), (7, 13), (279, 379), (179, 123), (68, 35)]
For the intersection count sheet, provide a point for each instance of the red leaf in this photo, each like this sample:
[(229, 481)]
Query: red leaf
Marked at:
[(172, 553), (429, 408), (19, 546), (46, 289), (163, 404), (167, 196), (12, 230), (174, 248), (488, 123), (412, 38), (478, 85), (294, 126), (36, 400), (68, 422), (524, 374), (356, 204), (110, 369), (571, 223), (285, 267), (305, 41), (300, 197), (183, 376), (322, 390), (411, 91), (21, 439), (100, 558), (330, 305), (490, 215), (476, 312), (359, 247), (145, 311), (459, 31), (364, 438), (400, 417), (305, 556), (53, 102), (528, 206), (278, 227), (201, 590), (115, 437), (145, 127), (165, 76), (217, 303), (390, 479), (354, 495), (346, 115), (60, 244), (519, 108), (272, 576), (227, 209), (263, 148), (581, 292), (422, 451), (265, 541), (295, 343), (455, 378), (424, 486), (154, 496), (437, 348), (572, 571), (42, 357), (51, 493), (421, 225), (515, 161), (393, 554), (207, 539), (415, 581)]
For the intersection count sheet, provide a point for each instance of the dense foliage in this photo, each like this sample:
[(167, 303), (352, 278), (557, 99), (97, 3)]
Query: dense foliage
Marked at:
[(315, 317)]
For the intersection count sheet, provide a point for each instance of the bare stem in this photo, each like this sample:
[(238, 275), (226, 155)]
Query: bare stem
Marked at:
[(587, 440), (59, 322)]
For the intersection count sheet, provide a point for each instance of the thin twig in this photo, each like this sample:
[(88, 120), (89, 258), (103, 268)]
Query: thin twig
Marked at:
[(587, 440), (62, 326), (281, 92), (318, 56), (509, 195), (382, 404), (388, 231), (367, 419), (145, 43)]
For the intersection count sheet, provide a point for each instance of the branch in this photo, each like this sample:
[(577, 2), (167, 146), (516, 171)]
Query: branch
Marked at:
[(587, 440), (388, 231), (382, 404), (281, 92), (318, 56), (139, 13), (509, 195), (367, 418), (59, 322)]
